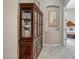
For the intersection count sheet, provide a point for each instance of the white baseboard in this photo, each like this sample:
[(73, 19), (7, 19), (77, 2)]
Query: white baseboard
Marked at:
[(52, 44)]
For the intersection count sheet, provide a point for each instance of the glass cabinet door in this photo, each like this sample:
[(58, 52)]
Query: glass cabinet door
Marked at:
[(26, 23), (35, 23), (38, 23)]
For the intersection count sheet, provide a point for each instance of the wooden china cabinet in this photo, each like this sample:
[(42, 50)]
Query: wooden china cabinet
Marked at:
[(31, 31)]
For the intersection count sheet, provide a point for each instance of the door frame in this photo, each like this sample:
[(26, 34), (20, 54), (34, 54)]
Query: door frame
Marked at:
[(64, 32)]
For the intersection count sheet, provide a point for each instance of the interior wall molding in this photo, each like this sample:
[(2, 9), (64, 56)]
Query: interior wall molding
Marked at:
[(52, 44), (37, 2), (66, 2), (52, 6)]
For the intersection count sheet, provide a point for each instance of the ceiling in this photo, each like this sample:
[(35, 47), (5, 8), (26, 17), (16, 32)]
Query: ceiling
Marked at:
[(71, 4)]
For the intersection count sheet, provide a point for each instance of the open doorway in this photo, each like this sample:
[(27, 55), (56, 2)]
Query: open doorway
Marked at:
[(69, 23)]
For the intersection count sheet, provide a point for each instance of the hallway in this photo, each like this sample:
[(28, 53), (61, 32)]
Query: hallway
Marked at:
[(26, 26), (59, 52)]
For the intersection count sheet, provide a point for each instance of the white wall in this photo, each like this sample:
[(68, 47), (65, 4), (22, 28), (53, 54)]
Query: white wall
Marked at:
[(25, 1), (50, 36), (10, 29), (70, 14)]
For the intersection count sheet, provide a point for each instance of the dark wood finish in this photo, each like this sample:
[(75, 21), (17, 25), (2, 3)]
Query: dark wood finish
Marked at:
[(70, 23), (30, 47), (72, 35)]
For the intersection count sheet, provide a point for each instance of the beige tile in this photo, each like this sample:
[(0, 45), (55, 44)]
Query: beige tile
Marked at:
[(59, 52)]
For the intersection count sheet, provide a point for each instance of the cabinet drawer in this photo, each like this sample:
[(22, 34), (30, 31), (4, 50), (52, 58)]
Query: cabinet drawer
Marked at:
[(25, 52)]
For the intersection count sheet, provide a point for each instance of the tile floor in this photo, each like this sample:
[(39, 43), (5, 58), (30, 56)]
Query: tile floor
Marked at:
[(59, 52)]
